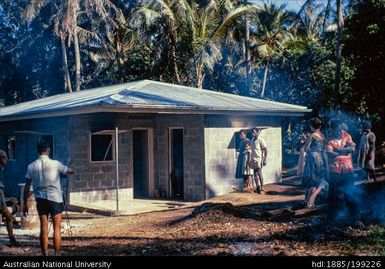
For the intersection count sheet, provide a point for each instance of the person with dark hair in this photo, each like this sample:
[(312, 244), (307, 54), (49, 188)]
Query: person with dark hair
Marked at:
[(259, 155), (44, 174), (244, 169), (316, 169), (3, 206), (367, 151), (341, 184)]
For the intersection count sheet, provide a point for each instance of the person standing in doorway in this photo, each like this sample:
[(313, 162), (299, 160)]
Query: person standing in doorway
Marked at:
[(259, 155), (44, 174), (367, 151), (3, 207)]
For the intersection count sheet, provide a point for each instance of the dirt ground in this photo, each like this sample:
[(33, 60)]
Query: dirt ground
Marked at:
[(212, 232)]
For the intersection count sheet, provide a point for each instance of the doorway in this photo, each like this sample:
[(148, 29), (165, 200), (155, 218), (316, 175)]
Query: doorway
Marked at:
[(176, 163), (141, 161)]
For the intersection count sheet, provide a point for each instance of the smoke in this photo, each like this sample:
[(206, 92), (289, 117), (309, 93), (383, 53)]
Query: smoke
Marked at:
[(361, 200)]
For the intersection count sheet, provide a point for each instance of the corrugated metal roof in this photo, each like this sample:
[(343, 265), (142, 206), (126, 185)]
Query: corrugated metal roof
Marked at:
[(147, 94)]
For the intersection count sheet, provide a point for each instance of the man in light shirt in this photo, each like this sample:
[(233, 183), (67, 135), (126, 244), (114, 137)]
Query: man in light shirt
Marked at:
[(44, 174), (259, 155)]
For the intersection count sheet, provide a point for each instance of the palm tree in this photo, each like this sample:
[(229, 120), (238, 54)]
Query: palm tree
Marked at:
[(273, 27), (66, 28), (169, 18), (247, 50), (113, 52), (212, 24)]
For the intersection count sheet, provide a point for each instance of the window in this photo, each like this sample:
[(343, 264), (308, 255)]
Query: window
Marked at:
[(102, 148), (10, 147)]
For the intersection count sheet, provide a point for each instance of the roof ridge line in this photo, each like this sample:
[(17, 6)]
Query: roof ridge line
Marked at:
[(226, 94)]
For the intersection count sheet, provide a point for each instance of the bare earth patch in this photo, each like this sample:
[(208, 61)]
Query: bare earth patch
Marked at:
[(211, 232)]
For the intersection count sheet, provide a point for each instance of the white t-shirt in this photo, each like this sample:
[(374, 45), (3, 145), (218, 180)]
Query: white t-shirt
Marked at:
[(45, 175), (258, 147)]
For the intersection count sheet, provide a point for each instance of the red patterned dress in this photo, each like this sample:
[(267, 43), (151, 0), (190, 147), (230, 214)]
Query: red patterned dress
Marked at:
[(340, 164)]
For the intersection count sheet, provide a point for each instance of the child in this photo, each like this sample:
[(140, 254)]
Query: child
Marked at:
[(248, 172)]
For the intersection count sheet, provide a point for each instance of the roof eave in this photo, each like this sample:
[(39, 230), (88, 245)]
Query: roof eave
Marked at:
[(150, 109)]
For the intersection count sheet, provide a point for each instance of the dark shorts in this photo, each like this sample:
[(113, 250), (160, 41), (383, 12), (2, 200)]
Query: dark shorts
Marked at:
[(3, 205), (47, 207)]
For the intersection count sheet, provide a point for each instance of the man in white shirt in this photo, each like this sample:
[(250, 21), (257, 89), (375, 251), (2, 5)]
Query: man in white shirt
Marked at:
[(44, 174), (259, 155)]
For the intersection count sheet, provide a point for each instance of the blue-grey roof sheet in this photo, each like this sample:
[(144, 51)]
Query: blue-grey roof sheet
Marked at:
[(152, 95)]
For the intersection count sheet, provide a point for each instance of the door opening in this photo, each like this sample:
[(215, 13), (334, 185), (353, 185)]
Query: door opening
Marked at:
[(141, 163), (176, 163)]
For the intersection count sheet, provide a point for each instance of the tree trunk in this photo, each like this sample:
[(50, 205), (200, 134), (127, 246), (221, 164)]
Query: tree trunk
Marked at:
[(199, 75), (327, 12), (77, 60), (66, 73), (264, 80), (337, 88), (247, 55), (118, 59), (173, 59)]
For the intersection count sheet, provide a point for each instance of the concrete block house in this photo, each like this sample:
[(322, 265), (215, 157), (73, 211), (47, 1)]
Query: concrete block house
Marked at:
[(134, 139)]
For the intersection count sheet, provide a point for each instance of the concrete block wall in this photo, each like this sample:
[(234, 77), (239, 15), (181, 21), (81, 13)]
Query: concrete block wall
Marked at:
[(209, 152), (221, 161), (221, 155), (193, 156), (97, 181)]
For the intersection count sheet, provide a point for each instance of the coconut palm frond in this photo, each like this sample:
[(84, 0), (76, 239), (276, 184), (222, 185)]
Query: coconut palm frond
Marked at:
[(165, 10), (202, 28), (233, 15), (186, 14), (264, 50), (149, 15), (226, 5)]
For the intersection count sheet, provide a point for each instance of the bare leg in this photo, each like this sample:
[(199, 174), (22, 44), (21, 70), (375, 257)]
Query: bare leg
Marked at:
[(307, 195), (44, 234), (313, 196), (57, 233), (256, 180), (250, 182), (259, 172), (9, 221), (245, 183)]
